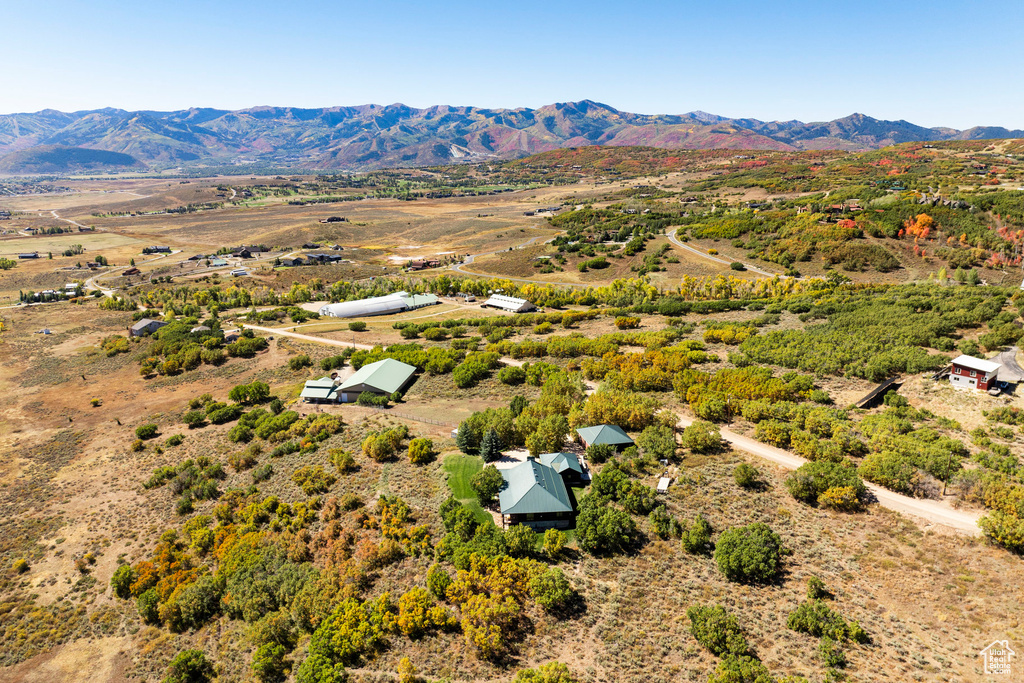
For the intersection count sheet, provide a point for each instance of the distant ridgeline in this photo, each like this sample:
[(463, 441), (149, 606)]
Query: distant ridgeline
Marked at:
[(374, 136)]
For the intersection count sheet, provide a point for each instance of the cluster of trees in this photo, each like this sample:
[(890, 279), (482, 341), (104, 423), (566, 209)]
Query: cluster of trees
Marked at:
[(874, 336)]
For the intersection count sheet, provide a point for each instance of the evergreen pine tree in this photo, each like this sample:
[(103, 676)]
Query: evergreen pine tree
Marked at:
[(490, 448), (464, 439)]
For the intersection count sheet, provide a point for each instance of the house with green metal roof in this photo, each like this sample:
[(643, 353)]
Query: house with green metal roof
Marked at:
[(535, 495), (566, 464), (323, 390), (383, 377), (609, 434)]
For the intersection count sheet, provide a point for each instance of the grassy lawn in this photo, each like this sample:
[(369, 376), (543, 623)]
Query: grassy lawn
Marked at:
[(460, 469)]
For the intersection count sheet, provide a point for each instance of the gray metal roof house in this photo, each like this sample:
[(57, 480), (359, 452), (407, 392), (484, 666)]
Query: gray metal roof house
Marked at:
[(145, 326), (535, 495), (609, 434), (383, 377), (566, 464), (323, 390)]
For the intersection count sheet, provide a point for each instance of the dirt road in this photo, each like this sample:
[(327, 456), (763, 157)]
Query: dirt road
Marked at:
[(308, 337), (932, 511), (670, 233)]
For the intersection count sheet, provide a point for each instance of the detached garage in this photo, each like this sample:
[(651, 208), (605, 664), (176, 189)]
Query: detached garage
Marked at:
[(383, 377)]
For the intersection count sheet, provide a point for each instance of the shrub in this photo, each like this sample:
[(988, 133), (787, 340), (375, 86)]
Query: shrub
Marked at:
[(520, 540), (551, 589), (816, 618), (827, 483), (749, 554), (552, 672), (747, 476), (299, 362), (194, 419), (816, 589), (736, 265), (487, 483), (421, 451), (138, 446), (121, 581), (435, 334), (174, 440), (313, 479), (438, 581), (20, 566), (554, 544), (627, 322), (601, 528), (190, 666), (342, 460), (599, 453), (658, 442), (269, 664), (740, 669), (357, 326), (696, 539), (95, 403), (716, 630), (262, 473), (146, 432), (512, 375), (701, 437)]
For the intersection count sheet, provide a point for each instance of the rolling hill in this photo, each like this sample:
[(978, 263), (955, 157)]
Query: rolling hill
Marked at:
[(61, 159), (375, 136)]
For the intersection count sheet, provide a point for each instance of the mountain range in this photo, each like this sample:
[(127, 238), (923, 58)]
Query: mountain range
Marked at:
[(375, 136)]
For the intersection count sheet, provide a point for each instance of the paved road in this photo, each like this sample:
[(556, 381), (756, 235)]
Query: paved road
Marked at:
[(932, 511), (670, 233), (1011, 371)]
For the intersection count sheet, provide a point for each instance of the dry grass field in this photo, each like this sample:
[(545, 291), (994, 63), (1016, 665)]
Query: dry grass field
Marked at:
[(73, 504)]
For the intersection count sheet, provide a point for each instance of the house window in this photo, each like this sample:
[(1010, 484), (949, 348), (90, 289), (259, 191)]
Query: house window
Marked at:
[(974, 373)]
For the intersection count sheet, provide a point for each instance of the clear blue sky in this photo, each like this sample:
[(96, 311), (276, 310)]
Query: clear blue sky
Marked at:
[(937, 63)]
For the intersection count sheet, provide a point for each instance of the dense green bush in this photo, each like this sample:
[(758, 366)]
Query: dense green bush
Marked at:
[(717, 630), (821, 483), (512, 375), (190, 666), (749, 554), (145, 432), (747, 476), (701, 437), (696, 538), (487, 483), (602, 528)]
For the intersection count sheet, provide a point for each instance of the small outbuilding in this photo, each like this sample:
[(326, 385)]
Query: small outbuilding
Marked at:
[(383, 377), (509, 303), (604, 434), (535, 495)]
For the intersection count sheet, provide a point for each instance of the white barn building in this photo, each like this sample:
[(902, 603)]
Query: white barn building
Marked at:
[(378, 305), (509, 303)]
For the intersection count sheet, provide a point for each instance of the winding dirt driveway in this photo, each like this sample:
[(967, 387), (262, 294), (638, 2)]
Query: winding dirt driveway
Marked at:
[(932, 511)]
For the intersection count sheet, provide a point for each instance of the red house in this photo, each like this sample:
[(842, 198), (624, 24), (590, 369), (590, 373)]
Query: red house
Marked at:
[(973, 373)]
